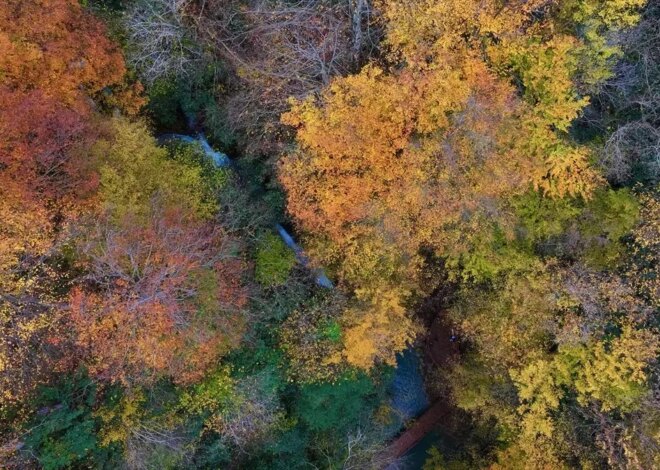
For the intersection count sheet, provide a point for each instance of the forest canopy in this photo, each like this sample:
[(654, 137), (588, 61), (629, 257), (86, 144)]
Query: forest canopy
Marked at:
[(337, 234)]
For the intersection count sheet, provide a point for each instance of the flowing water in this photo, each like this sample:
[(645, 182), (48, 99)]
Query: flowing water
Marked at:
[(222, 160), (406, 390)]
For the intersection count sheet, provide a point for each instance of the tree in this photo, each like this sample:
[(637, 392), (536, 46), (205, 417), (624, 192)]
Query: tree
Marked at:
[(629, 104), (253, 415), (167, 299), (382, 159), (281, 49), (161, 44), (55, 56), (377, 327), (580, 353), (58, 48), (513, 321), (428, 156), (336, 407), (133, 170), (311, 338), (162, 293), (64, 431), (609, 375), (523, 40), (644, 259)]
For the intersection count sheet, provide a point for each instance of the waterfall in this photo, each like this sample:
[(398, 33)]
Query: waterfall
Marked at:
[(321, 279), (221, 160)]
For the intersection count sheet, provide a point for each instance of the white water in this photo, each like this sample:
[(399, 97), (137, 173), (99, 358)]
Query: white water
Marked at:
[(321, 279), (222, 160), (407, 392)]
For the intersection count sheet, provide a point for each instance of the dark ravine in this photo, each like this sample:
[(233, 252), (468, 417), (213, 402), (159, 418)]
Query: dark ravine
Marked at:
[(437, 348), (407, 391)]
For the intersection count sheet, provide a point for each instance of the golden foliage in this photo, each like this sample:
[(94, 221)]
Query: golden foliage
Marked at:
[(379, 329)]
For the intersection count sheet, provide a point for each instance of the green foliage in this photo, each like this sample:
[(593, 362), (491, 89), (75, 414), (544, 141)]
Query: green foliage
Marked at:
[(274, 260), (206, 296), (336, 407), (331, 331), (611, 214), (490, 255), (461, 155), (546, 70), (595, 22), (218, 126), (606, 376), (164, 103), (479, 388), (161, 457), (212, 395), (120, 415), (569, 227), (253, 358), (311, 339), (173, 101), (212, 453), (510, 322), (64, 431), (436, 461), (542, 217), (288, 451), (134, 170), (612, 373), (276, 304), (193, 156), (606, 218)]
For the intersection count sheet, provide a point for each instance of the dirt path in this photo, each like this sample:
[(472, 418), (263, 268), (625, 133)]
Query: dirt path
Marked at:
[(439, 348), (425, 424)]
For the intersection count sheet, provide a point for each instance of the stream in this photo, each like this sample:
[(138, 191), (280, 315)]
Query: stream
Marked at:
[(407, 394), (222, 160)]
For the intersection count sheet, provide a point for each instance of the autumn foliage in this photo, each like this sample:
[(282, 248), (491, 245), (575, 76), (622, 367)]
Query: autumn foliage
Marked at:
[(440, 205), (149, 265), (427, 156), (163, 299), (53, 58)]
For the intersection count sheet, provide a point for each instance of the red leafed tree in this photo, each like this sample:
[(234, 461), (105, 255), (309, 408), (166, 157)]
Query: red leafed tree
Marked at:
[(55, 58), (41, 173), (163, 298), (56, 47)]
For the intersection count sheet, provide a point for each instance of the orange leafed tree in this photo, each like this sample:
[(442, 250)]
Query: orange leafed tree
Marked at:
[(407, 153), (389, 164), (56, 47), (160, 299), (425, 157)]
